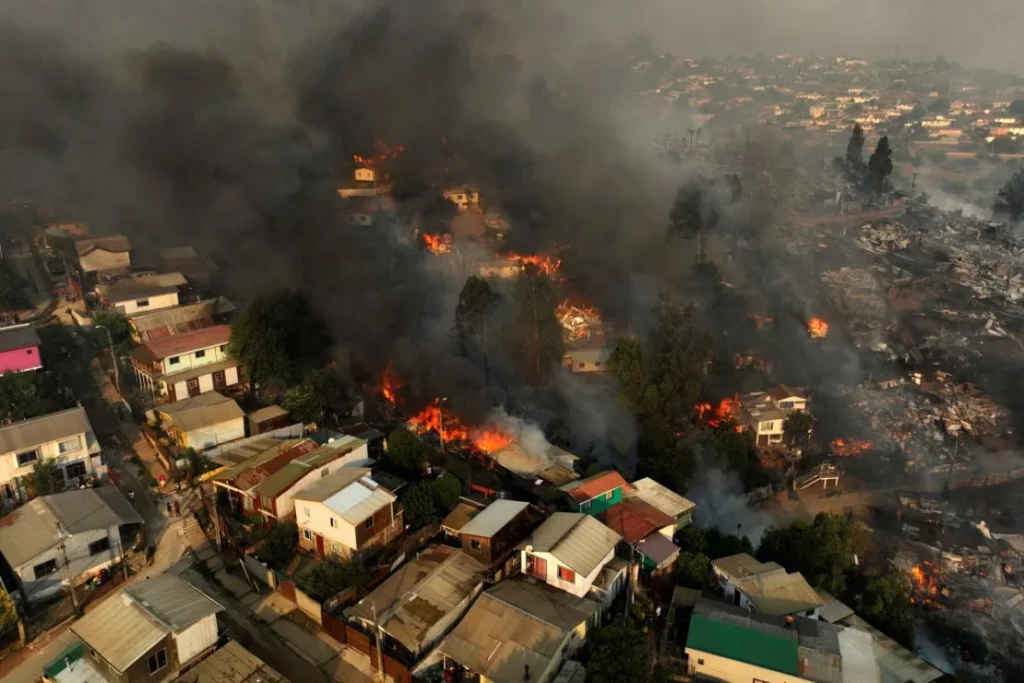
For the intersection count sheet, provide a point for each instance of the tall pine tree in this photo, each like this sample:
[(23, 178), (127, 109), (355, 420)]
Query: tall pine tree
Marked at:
[(534, 333), (855, 148)]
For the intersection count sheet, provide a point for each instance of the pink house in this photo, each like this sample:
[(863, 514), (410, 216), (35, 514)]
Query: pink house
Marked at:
[(19, 349)]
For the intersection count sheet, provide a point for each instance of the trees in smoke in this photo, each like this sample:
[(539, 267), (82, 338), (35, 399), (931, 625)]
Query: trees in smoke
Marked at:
[(880, 165), (796, 429), (855, 147), (1010, 198), (475, 324), (533, 333), (693, 214)]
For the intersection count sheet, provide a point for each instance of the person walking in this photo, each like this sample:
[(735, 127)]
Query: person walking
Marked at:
[(177, 509), (170, 510)]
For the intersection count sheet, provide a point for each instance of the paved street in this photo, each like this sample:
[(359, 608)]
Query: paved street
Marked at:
[(31, 667)]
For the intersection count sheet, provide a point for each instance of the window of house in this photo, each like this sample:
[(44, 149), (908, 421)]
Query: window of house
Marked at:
[(173, 360), (582, 365), (785, 404), (475, 545), (324, 472), (201, 354), (307, 534), (68, 445), (566, 574), (75, 470), (608, 496), (27, 458), (597, 363), (142, 303), (223, 348), (305, 511), (100, 546), (156, 661), (333, 523), (369, 523), (767, 426), (45, 569), (700, 662)]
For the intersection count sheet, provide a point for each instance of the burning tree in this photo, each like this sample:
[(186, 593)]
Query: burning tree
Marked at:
[(721, 415), (545, 264), (437, 244), (845, 448)]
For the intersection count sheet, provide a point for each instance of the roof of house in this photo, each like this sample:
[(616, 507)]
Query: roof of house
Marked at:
[(578, 541), (254, 476), (896, 662), (350, 493), (114, 243), (125, 626), (201, 411), (657, 548), (781, 392), (460, 516), (176, 345), (586, 489), (807, 648), (18, 337), (778, 593), (502, 633), (635, 520), (174, 320), (21, 436), (178, 253), (589, 355), (493, 518), (128, 290), (558, 474), (231, 664), (743, 565), (833, 610), (236, 458), (666, 500), (420, 593), (29, 531), (266, 414), (282, 480)]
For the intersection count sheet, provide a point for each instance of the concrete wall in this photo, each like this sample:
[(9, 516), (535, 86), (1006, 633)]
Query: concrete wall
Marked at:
[(196, 638), (153, 303)]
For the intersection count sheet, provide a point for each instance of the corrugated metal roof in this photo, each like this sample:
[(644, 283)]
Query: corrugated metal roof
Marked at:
[(114, 243), (517, 623), (237, 459), (201, 411), (268, 413), (742, 565), (739, 644), (778, 593), (18, 337), (173, 315), (459, 516), (576, 540), (127, 625), (283, 480), (231, 664), (254, 476), (594, 486), (635, 519), (414, 598), (128, 290), (657, 548), (666, 500), (27, 434), (350, 493), (494, 518), (179, 344), (332, 483), (193, 373)]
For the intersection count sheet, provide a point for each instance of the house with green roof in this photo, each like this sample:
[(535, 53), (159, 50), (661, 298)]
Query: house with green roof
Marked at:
[(728, 643)]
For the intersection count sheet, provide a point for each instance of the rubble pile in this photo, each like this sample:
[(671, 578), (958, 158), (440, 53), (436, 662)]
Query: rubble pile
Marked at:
[(986, 277), (882, 237), (859, 295), (578, 322), (967, 409)]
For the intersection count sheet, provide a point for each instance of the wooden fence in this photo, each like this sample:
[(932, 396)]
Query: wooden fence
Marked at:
[(358, 640)]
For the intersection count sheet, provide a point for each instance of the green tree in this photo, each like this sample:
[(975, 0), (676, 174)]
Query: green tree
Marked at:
[(447, 490), (43, 479), (883, 600), (692, 570), (118, 326), (278, 547), (474, 321), (534, 333), (421, 505), (617, 654), (723, 545), (939, 106), (822, 551), (8, 612), (730, 449), (796, 429), (326, 579), (1010, 198), (312, 401), (880, 164), (13, 288), (918, 112), (406, 453), (855, 147), (280, 338), (691, 539), (19, 397)]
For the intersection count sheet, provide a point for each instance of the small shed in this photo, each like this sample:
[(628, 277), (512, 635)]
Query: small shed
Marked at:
[(267, 420)]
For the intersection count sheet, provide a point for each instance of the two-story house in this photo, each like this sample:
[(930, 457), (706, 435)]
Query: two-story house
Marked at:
[(19, 349), (664, 499), (142, 293), (421, 600), (647, 530), (184, 365), (151, 325), (593, 495), (346, 512), (765, 412), (568, 551), (148, 632), (490, 537), (66, 538), (64, 438), (766, 587)]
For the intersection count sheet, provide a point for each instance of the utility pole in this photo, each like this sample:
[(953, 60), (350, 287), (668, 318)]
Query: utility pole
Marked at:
[(913, 184), (380, 649), (113, 358)]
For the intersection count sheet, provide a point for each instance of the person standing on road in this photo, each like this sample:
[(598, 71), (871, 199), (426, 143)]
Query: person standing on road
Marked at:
[(177, 509), (170, 510)]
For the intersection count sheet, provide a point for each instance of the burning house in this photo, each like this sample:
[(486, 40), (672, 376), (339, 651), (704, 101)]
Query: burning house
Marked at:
[(765, 412)]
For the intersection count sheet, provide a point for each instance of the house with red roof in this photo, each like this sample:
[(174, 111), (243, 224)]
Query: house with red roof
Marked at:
[(186, 365), (595, 494), (647, 530)]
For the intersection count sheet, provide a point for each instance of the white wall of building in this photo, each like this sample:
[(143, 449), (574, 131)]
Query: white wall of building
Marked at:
[(150, 303), (195, 359), (315, 518), (286, 501), (580, 586), (75, 561), (75, 449), (196, 638), (723, 669)]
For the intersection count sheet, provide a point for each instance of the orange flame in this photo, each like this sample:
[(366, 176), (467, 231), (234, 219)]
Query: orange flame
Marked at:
[(577, 320), (490, 440), (847, 447), (384, 153), (446, 425), (547, 265), (720, 415), (437, 244), (390, 384), (925, 580), (817, 328)]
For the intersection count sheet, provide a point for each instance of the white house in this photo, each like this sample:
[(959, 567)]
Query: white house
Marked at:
[(67, 537), (463, 197), (142, 293), (184, 365), (204, 421), (568, 551), (104, 254), (765, 412), (765, 587), (147, 632), (346, 512), (65, 438)]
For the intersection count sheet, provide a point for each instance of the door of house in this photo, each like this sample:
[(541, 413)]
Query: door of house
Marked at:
[(538, 567), (193, 387), (319, 545), (219, 382)]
